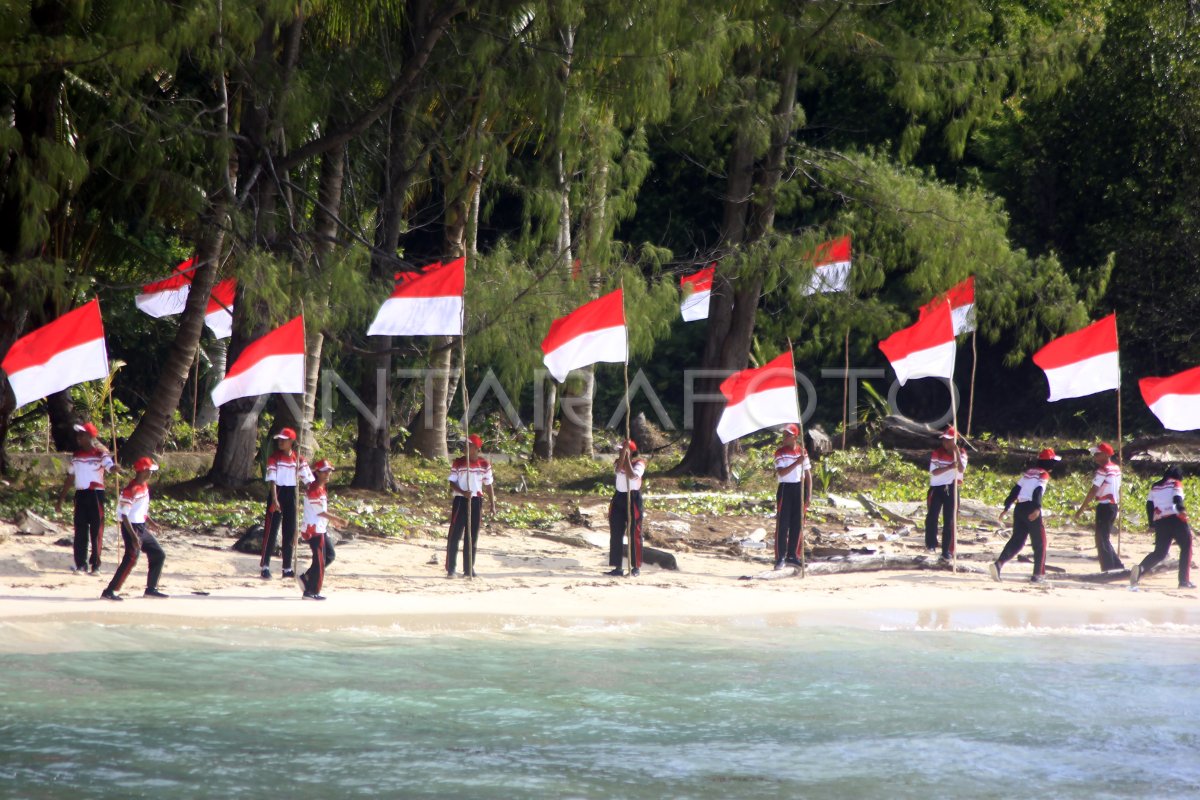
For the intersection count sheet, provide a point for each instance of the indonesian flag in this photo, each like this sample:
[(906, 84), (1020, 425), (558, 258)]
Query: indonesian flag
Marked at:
[(218, 316), (924, 349), (1082, 363), (697, 291), (68, 351), (273, 364), (831, 267), (759, 398), (1174, 400), (424, 304), (591, 333), (167, 297), (962, 305)]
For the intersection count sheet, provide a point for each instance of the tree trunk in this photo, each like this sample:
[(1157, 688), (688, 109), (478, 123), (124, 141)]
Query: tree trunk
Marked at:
[(237, 420), (575, 432), (152, 428)]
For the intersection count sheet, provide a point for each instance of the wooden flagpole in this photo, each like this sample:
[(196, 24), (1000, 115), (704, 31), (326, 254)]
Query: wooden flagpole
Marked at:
[(1120, 443), (299, 510), (112, 427), (971, 397), (466, 400), (955, 486), (845, 387), (800, 425), (628, 437)]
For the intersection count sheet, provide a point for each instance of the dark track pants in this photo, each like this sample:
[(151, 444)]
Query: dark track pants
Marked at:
[(1106, 516), (1023, 529), (322, 557), (789, 519), (620, 524), (89, 527), (940, 501), (286, 513), (458, 529), (137, 539), (1167, 530)]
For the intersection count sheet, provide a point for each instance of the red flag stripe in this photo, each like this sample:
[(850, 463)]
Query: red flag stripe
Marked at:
[(288, 339), (779, 372), (699, 281), (1096, 339), (182, 277), (1186, 382), (72, 329), (835, 251), (445, 280), (222, 296), (605, 312)]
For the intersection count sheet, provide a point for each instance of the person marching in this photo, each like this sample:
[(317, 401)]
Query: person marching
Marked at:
[(947, 465), (470, 477), (1167, 517), (1106, 491), (285, 469), (316, 531), (793, 471), (1027, 516), (133, 517), (89, 465), (625, 512)]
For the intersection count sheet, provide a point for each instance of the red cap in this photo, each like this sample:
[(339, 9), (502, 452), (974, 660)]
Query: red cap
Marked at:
[(145, 464), (475, 440), (792, 428), (949, 433), (632, 445), (1103, 447), (286, 433), (88, 428), (322, 465), (1048, 455)]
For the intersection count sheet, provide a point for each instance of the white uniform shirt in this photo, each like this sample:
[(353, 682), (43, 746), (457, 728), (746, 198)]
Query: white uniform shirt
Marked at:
[(1030, 480), (88, 467), (134, 503), (1163, 494), (625, 483), (282, 468), (316, 503), (942, 458), (470, 481), (1107, 481), (785, 457)]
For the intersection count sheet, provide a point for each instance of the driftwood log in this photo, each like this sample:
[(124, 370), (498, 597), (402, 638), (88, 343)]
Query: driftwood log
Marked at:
[(876, 563), (650, 555)]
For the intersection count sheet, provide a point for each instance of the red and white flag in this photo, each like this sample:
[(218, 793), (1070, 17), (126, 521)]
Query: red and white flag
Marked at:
[(1175, 400), (759, 398), (273, 364), (591, 333), (697, 292), (426, 304), (1083, 362), (68, 351), (218, 316), (924, 349), (167, 297), (962, 305), (831, 267)]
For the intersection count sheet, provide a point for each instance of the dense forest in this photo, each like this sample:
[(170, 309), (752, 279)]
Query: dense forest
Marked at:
[(315, 148)]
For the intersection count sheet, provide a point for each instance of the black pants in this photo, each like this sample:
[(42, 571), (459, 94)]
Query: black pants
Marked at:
[(287, 514), (940, 501), (1024, 528), (89, 527), (1167, 530), (458, 527), (322, 557), (1106, 515), (621, 524), (137, 539), (789, 518)]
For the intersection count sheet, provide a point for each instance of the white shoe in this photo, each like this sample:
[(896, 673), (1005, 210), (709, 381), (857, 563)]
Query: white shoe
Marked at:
[(994, 571), (1135, 574)]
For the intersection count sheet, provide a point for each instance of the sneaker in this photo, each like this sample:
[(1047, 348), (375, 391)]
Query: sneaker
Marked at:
[(994, 571), (1038, 579), (154, 593), (95, 569), (780, 564), (110, 595), (266, 572), (1135, 574), (450, 573), (313, 596), (633, 573), (792, 562), (1187, 585), (302, 584), (931, 550), (288, 573), (616, 573), (79, 570)]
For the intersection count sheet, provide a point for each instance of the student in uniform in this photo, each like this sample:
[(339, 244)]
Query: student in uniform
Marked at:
[(793, 472), (1027, 516), (947, 465), (1167, 517), (89, 465), (625, 512), (1106, 491), (470, 477), (286, 469), (316, 531), (133, 517)]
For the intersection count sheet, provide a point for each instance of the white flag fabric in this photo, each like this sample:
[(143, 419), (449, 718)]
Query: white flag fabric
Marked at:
[(424, 304), (831, 268), (925, 349), (962, 305), (218, 316), (273, 364), (65, 352), (1175, 400), (1083, 362), (593, 333), (167, 297), (697, 293), (758, 398)]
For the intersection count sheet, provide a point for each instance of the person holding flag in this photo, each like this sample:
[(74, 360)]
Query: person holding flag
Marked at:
[(133, 517), (316, 531), (1167, 517), (793, 472), (286, 468), (470, 476), (947, 465), (1106, 491), (1027, 516), (87, 471), (625, 512)]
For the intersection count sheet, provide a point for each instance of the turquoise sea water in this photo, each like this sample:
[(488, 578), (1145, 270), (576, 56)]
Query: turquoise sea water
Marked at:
[(596, 711)]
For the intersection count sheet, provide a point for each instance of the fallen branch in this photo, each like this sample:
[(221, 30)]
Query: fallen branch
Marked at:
[(876, 563)]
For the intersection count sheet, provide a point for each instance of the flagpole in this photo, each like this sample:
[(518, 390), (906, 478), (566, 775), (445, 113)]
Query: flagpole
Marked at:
[(1120, 440), (800, 425), (954, 527), (466, 401), (971, 397), (299, 504), (845, 387), (628, 438), (112, 427)]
